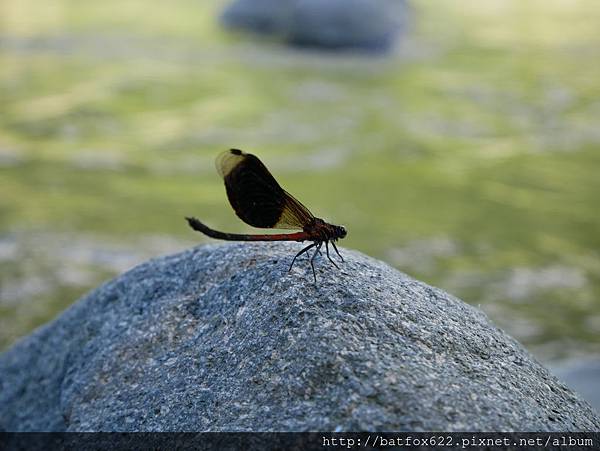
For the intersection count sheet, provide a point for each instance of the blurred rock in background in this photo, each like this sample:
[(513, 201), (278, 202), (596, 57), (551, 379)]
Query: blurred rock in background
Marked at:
[(365, 25), (582, 376)]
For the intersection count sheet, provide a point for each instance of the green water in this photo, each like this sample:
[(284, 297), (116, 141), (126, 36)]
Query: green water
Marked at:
[(468, 158)]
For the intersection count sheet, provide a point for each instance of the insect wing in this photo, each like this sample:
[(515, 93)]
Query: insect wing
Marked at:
[(293, 214), (255, 195)]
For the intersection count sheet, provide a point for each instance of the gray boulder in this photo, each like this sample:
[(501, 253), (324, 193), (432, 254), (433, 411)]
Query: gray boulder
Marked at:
[(371, 25), (221, 337)]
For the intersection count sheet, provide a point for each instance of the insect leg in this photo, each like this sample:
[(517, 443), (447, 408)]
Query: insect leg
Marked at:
[(336, 250), (300, 253), (327, 250), (318, 251)]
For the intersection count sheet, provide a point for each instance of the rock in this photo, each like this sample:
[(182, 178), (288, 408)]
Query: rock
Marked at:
[(582, 375), (371, 25), (221, 337), (260, 16)]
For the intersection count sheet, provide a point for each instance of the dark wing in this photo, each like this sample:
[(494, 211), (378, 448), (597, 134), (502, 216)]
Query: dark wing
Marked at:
[(256, 196)]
